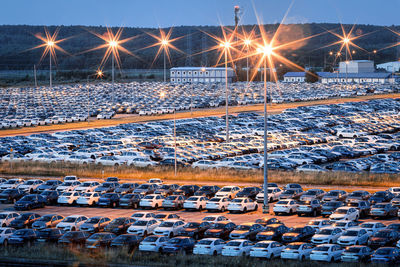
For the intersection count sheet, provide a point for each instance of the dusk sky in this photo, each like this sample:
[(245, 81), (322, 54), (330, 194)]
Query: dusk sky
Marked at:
[(163, 13)]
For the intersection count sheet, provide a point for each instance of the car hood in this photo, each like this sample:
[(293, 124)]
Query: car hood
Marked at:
[(378, 239)]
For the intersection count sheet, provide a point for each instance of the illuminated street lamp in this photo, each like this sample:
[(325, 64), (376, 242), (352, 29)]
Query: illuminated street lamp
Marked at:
[(226, 46), (50, 44), (247, 43)]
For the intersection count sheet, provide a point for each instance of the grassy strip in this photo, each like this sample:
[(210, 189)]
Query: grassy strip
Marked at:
[(102, 257), (189, 174), (274, 108)]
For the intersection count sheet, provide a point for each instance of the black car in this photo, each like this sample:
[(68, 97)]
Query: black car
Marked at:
[(126, 188), (129, 201), (381, 196), (112, 179), (98, 240), (109, 200), (208, 191), (329, 207), (220, 230), (298, 234), (51, 196), (29, 202), (268, 221), (180, 244), (74, 238), (386, 255), (11, 195), (145, 189), (22, 236), (272, 232), (246, 231), (48, 185), (383, 238), (119, 225), (49, 235), (195, 229), (127, 240), (24, 220), (187, 190), (166, 189), (394, 226), (250, 192)]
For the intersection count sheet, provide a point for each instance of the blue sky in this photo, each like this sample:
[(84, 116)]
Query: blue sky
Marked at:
[(164, 13)]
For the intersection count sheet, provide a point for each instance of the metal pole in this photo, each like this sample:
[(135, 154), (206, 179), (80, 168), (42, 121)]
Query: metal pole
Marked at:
[(34, 74), (247, 63), (175, 138), (191, 100), (346, 69), (265, 206), (88, 97), (165, 66), (226, 97), (51, 83), (112, 74)]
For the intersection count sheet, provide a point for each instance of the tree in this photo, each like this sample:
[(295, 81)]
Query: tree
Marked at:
[(311, 76)]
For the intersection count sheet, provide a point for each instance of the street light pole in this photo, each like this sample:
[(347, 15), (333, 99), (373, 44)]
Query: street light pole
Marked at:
[(165, 66), (191, 100), (265, 206), (51, 82), (88, 97), (226, 96), (175, 140), (112, 74)]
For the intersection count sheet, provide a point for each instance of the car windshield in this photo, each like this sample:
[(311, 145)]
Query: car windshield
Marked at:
[(175, 241), (97, 236), (233, 244), (353, 249), (193, 198), (67, 194), (72, 235), (289, 192), (321, 248), (45, 218), (297, 230), (225, 189), (356, 194), (21, 232), (126, 185), (23, 217), (160, 216), (367, 225), (87, 195), (379, 194), (215, 199), (243, 227), (122, 238), (283, 202), (140, 223), (86, 184), (333, 193), (379, 206), (261, 245), (383, 251), (171, 197), (341, 211), (150, 239), (93, 220), (293, 246), (28, 198), (237, 200), (382, 234), (70, 219), (192, 225), (311, 193), (325, 232), (107, 195), (350, 233), (218, 226), (143, 186), (166, 224), (205, 242)]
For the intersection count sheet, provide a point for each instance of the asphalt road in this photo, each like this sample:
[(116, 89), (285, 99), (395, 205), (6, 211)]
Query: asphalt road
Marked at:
[(290, 221)]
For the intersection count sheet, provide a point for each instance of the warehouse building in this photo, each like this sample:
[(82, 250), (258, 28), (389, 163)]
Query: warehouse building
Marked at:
[(390, 66), (200, 75), (374, 77), (294, 77), (356, 66)]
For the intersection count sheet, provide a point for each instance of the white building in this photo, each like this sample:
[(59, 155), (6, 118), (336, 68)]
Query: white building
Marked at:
[(356, 66), (390, 66), (374, 77), (200, 75), (294, 77)]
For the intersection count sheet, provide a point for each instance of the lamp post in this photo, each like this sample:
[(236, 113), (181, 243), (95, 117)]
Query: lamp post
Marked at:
[(164, 44), (226, 46), (247, 42), (175, 165), (113, 46), (266, 52), (346, 41), (99, 74), (50, 44)]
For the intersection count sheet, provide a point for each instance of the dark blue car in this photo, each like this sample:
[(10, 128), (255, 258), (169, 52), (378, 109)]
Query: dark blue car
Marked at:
[(181, 244), (22, 236), (109, 200), (381, 196), (51, 196), (386, 255), (29, 202), (49, 185), (11, 195)]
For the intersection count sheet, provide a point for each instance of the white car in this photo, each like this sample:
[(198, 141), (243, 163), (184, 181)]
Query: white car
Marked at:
[(205, 164), (143, 227), (327, 235), (153, 243), (169, 228), (153, 201), (345, 213), (68, 198), (228, 191), (5, 233), (297, 251), (395, 190), (287, 206), (71, 178), (6, 217), (217, 204), (68, 186), (89, 199), (110, 161), (88, 186), (237, 247), (353, 236), (195, 203), (215, 219), (326, 252), (317, 224), (142, 215), (141, 162), (344, 225), (267, 249), (372, 227), (30, 185), (72, 222), (242, 204), (273, 195), (11, 184), (209, 246)]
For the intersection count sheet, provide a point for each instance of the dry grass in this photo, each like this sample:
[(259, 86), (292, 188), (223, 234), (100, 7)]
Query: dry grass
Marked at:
[(47, 254), (120, 119), (221, 176)]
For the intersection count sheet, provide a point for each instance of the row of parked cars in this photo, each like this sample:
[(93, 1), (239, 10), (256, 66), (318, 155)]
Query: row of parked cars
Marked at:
[(30, 106), (348, 137)]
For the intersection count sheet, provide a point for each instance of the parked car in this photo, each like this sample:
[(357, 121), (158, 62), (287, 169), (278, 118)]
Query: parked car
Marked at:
[(180, 244), (24, 220), (195, 229), (119, 225), (99, 240), (383, 238), (298, 233), (220, 230), (237, 247), (126, 240), (49, 235), (129, 200), (356, 253), (267, 249), (47, 221), (22, 236), (209, 246), (74, 238), (297, 251), (95, 224), (29, 202), (11, 195), (153, 243), (326, 252)]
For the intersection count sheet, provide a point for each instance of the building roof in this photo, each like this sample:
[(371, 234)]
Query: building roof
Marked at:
[(371, 75), (199, 68), (295, 74)]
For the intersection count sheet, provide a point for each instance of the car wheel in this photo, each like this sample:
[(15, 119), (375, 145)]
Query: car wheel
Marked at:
[(256, 207), (302, 258), (215, 253), (5, 243), (223, 209), (272, 256), (277, 213), (357, 218), (4, 225), (196, 236), (171, 235), (200, 208), (245, 209), (73, 228), (314, 213), (244, 254), (145, 234), (331, 259), (156, 206)]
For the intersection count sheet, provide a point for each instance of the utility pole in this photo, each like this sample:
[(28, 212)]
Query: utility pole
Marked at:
[(34, 74)]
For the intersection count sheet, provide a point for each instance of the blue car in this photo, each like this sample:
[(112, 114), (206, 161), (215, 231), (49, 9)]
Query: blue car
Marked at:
[(29, 202), (49, 185), (109, 200), (386, 255), (22, 236), (181, 244), (381, 196)]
